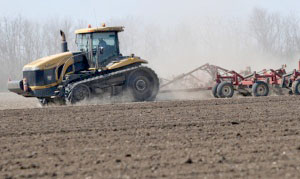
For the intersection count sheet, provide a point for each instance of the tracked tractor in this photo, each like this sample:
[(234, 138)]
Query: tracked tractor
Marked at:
[(97, 69)]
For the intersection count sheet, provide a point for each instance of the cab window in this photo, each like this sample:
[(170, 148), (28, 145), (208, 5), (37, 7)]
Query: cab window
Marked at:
[(106, 40), (82, 41)]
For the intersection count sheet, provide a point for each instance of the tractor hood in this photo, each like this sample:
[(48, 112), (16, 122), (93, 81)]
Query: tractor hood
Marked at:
[(49, 62)]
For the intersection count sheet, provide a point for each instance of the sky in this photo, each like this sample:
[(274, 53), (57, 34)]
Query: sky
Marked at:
[(160, 11)]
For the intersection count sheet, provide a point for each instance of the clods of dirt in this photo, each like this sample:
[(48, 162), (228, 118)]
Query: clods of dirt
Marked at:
[(177, 139), (189, 161)]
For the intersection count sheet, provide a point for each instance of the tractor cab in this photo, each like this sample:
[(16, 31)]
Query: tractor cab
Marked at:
[(100, 45)]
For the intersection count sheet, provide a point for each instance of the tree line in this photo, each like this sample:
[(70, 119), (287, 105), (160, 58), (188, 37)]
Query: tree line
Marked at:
[(260, 40)]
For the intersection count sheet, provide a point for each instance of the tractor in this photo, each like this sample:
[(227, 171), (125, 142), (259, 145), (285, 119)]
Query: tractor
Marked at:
[(97, 69)]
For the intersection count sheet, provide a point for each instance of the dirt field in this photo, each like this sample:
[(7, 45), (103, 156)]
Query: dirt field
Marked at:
[(216, 138)]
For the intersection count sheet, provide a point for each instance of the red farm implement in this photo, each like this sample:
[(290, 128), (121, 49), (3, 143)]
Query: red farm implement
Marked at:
[(225, 83), (256, 83)]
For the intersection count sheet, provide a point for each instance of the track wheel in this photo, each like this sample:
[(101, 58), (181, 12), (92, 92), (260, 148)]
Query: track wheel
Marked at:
[(225, 89), (214, 90), (79, 93), (296, 87), (260, 88), (143, 84)]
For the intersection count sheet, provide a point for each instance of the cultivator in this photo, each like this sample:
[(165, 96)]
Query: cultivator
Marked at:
[(224, 83), (257, 84), (199, 79)]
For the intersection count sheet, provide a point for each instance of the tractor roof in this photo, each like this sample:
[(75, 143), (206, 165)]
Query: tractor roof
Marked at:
[(100, 29)]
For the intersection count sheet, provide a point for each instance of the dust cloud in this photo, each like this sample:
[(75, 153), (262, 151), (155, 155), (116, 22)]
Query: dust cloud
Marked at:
[(14, 101), (263, 40), (172, 48)]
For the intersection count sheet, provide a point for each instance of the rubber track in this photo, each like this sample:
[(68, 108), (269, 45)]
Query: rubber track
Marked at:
[(71, 86)]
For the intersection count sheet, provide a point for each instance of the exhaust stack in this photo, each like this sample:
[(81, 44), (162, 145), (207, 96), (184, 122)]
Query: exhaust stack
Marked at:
[(64, 43)]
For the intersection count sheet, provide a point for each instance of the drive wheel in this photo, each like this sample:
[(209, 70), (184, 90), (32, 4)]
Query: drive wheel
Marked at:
[(79, 93), (225, 90), (143, 84), (296, 87), (260, 88), (214, 90)]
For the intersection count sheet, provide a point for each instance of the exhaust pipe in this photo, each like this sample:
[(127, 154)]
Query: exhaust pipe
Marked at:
[(64, 43)]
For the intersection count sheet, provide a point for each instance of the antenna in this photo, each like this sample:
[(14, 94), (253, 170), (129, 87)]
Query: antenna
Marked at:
[(94, 13)]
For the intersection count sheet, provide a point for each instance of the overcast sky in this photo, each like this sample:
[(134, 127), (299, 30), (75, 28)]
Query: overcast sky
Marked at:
[(160, 11)]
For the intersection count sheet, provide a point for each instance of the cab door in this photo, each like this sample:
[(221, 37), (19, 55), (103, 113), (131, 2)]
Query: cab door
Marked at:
[(105, 48)]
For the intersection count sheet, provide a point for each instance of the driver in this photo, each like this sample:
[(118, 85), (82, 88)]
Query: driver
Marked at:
[(102, 43)]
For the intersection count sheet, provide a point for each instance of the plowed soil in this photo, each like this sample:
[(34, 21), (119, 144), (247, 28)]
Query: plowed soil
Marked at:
[(216, 138)]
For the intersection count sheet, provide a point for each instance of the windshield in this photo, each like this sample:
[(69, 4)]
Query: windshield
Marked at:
[(103, 39), (107, 40)]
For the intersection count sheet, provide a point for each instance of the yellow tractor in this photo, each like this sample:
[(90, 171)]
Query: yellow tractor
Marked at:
[(97, 69)]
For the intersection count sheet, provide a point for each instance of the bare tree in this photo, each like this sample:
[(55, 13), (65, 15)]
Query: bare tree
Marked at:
[(274, 33), (171, 49)]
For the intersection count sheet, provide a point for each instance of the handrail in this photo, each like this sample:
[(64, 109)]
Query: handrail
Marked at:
[(57, 64)]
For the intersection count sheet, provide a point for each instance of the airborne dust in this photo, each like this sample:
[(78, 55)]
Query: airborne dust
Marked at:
[(261, 40)]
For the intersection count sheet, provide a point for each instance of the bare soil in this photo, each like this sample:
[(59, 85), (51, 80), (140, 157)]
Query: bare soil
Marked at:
[(216, 138)]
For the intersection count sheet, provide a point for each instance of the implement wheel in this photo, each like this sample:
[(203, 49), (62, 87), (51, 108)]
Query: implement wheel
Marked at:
[(260, 88), (225, 89), (214, 90), (143, 84), (79, 93), (296, 87)]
